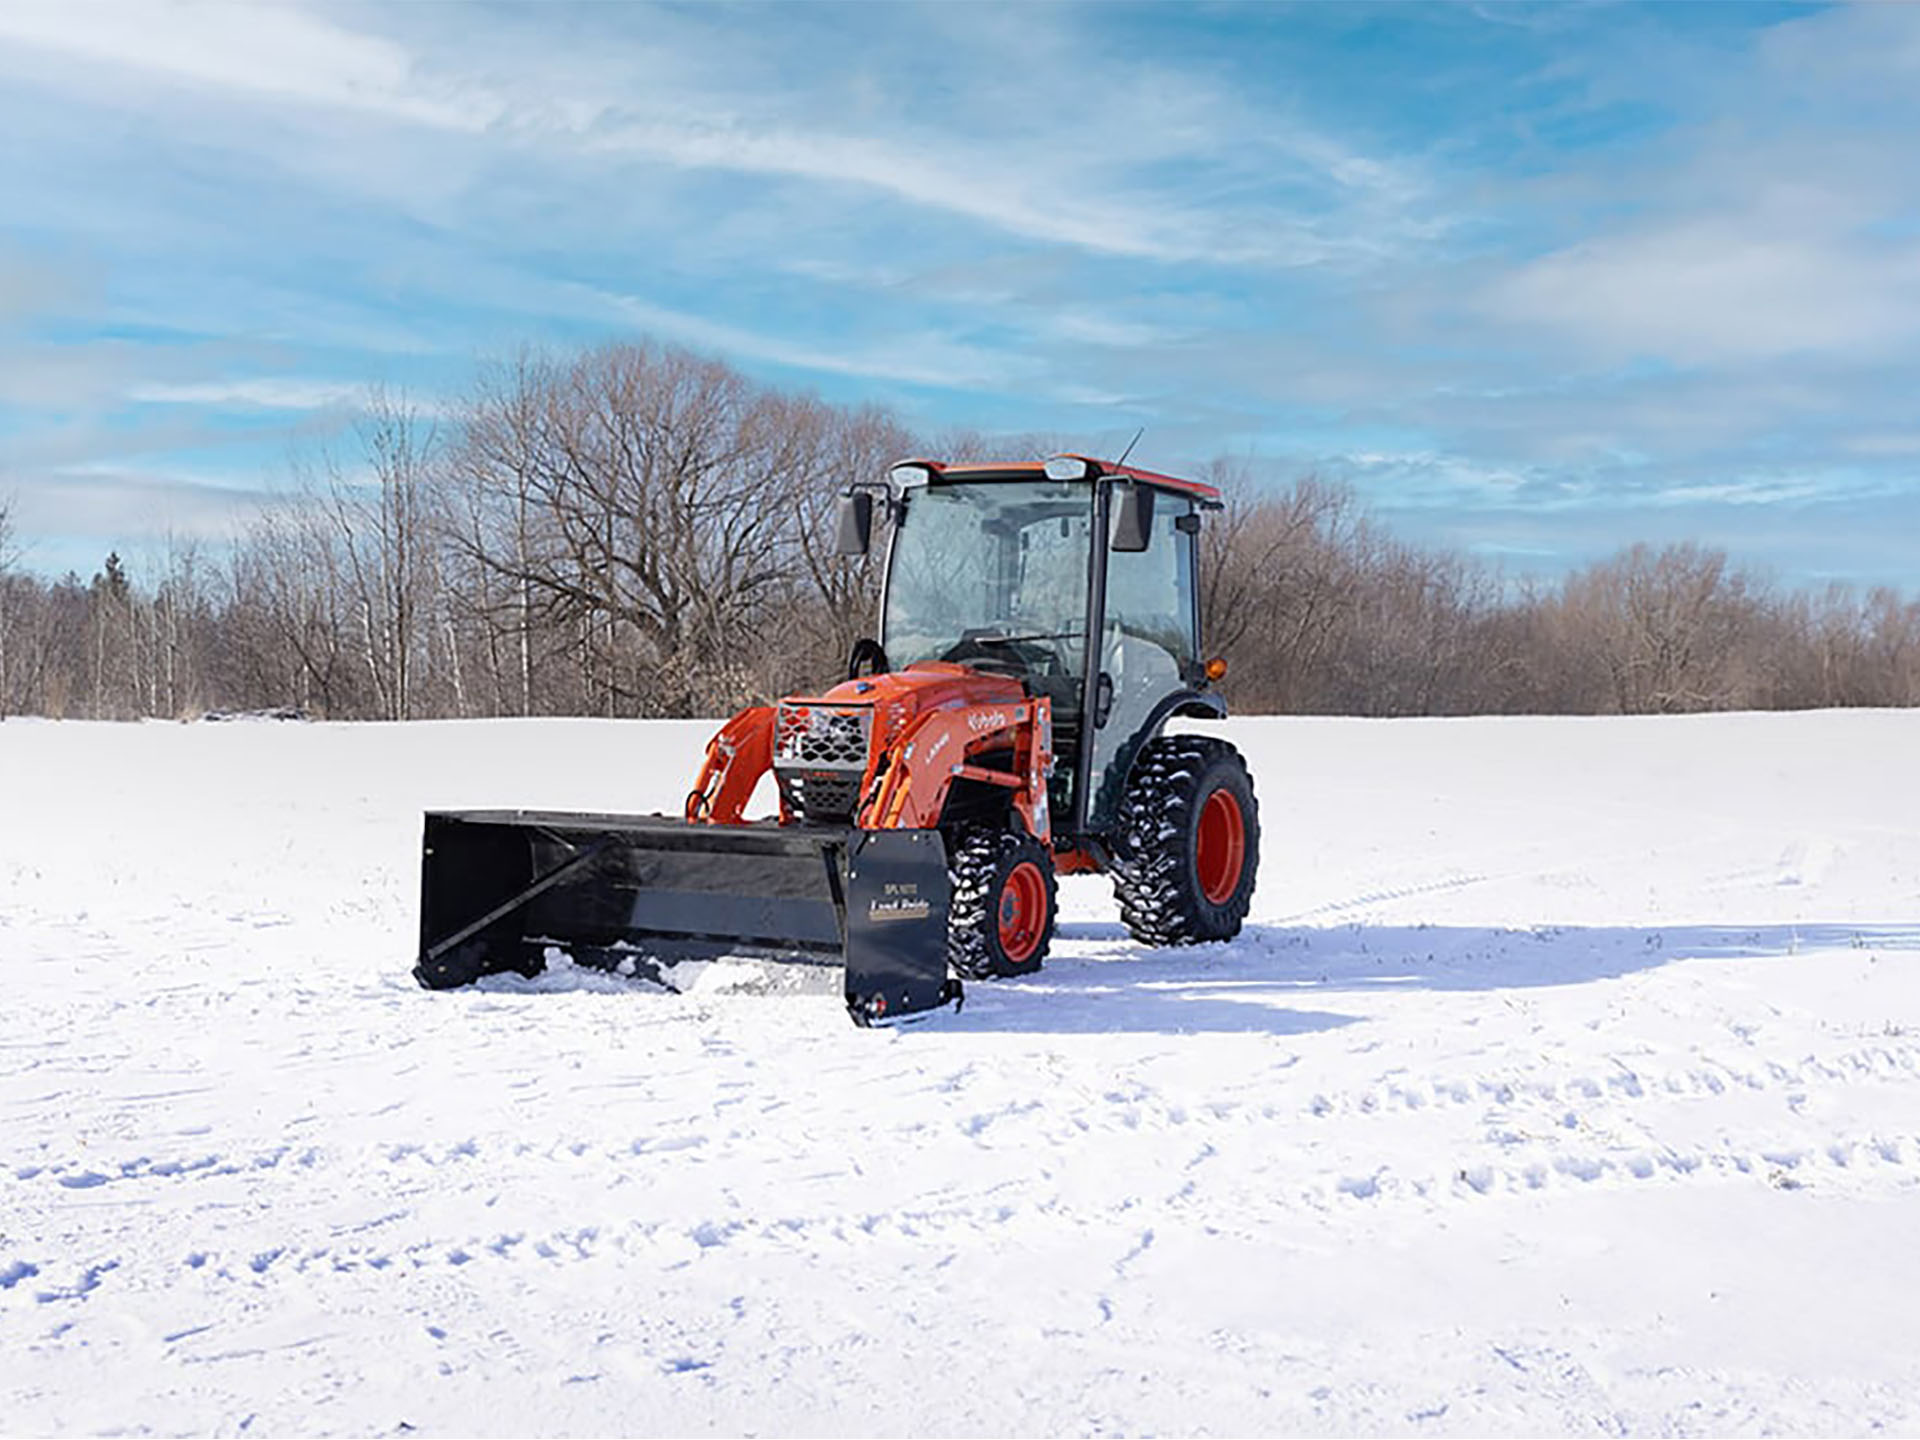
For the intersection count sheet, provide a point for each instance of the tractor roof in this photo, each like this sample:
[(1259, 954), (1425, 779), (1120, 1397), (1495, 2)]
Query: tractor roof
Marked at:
[(1034, 469)]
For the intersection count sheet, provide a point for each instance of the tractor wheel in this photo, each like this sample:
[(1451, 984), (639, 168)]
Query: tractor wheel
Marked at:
[(1188, 842), (1000, 919)]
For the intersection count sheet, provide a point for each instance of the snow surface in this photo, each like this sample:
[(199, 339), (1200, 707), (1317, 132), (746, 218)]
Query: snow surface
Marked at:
[(1568, 1081)]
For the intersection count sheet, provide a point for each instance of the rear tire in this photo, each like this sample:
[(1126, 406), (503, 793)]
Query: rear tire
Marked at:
[(1000, 918), (1187, 846)]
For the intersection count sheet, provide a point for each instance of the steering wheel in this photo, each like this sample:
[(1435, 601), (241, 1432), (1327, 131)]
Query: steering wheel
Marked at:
[(1016, 655), (868, 651)]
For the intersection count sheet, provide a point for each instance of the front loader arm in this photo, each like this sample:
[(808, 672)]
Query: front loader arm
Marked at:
[(736, 759), (943, 745)]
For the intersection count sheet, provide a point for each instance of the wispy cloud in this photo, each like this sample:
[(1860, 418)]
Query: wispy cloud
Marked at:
[(275, 52), (1072, 189), (1727, 288), (70, 519), (256, 393), (935, 360)]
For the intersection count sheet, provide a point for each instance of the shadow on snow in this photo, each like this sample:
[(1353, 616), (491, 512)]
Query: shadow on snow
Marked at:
[(1271, 978), (1098, 980)]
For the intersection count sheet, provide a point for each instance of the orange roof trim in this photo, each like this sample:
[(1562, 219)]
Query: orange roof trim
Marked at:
[(1195, 488)]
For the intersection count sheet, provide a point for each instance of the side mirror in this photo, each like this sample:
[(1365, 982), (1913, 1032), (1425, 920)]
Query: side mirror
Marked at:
[(856, 523), (1133, 521)]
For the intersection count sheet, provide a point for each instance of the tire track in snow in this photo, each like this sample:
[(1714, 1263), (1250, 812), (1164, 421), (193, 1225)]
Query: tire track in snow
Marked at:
[(1302, 1182), (967, 1223)]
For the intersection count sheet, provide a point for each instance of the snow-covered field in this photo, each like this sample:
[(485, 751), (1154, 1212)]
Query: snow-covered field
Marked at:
[(1568, 1081)]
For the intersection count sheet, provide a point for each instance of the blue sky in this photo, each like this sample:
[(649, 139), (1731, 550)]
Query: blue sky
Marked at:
[(1538, 281)]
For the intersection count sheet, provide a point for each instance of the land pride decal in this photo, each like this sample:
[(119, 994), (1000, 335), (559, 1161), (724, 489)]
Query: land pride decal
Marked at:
[(902, 901)]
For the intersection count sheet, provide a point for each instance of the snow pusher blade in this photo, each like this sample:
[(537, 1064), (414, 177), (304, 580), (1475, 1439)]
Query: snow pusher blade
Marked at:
[(497, 888)]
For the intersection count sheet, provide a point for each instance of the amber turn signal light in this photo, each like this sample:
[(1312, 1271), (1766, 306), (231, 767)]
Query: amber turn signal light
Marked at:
[(1216, 668)]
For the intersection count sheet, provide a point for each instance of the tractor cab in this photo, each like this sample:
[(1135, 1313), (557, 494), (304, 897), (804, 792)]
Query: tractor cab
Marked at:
[(1075, 578)]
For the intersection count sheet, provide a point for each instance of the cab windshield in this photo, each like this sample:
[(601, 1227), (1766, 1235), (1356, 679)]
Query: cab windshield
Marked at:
[(992, 574)]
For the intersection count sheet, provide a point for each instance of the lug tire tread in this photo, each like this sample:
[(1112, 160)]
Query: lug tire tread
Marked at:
[(978, 863), (1155, 873)]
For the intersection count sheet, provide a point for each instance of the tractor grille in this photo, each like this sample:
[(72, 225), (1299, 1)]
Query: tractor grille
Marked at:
[(816, 795), (810, 735), (820, 757)]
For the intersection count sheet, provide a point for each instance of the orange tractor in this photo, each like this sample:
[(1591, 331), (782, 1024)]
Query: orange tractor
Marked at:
[(1039, 628)]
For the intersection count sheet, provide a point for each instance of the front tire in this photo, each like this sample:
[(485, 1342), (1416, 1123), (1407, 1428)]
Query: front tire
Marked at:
[(1000, 919), (1187, 847)]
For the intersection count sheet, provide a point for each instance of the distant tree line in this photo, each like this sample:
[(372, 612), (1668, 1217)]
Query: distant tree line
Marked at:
[(1322, 612), (640, 531)]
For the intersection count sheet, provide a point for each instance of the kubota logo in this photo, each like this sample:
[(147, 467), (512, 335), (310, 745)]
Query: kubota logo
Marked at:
[(990, 720)]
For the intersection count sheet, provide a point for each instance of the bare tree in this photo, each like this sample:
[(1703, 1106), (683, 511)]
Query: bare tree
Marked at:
[(1666, 626), (836, 604), (381, 520), (292, 613), (1281, 575), (646, 496), (9, 557), (493, 521)]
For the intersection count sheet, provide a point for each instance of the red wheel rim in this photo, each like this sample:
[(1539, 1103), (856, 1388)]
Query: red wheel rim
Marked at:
[(1221, 854), (1023, 912)]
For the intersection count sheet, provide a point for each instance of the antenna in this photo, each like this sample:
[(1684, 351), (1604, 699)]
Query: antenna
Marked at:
[(1129, 450)]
